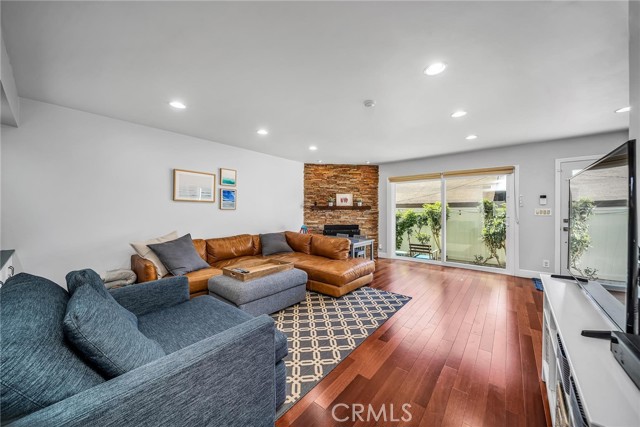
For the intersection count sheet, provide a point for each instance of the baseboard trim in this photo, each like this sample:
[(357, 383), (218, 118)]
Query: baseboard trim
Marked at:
[(530, 274)]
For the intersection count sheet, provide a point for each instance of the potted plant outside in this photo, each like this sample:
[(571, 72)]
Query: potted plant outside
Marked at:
[(359, 201), (330, 201)]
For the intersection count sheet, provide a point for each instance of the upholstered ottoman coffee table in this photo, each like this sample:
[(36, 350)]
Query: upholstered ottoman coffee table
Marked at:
[(264, 295)]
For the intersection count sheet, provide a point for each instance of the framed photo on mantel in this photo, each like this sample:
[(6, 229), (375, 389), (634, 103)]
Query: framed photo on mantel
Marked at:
[(190, 186), (344, 199)]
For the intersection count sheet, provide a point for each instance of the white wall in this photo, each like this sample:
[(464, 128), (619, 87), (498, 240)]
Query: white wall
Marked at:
[(78, 187), (536, 163)]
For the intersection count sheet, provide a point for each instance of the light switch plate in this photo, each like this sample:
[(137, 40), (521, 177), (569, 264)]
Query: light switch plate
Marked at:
[(542, 212)]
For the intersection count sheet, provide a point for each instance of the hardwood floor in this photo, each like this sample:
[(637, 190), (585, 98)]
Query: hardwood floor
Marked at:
[(465, 351)]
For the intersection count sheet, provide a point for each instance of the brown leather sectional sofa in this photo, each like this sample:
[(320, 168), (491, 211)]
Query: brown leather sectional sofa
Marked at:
[(325, 259)]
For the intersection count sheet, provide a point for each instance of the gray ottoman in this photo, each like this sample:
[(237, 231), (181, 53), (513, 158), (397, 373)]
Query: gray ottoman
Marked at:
[(264, 295)]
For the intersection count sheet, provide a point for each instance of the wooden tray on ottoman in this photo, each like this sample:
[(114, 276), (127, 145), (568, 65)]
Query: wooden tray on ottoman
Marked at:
[(257, 268)]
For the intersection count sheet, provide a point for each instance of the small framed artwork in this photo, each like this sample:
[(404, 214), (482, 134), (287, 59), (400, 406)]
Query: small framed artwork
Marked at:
[(190, 186), (228, 177), (344, 199), (228, 199)]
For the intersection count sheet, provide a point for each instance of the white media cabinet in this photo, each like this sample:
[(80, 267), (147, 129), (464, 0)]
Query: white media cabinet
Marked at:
[(597, 392)]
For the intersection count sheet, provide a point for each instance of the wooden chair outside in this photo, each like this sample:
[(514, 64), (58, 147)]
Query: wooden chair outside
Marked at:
[(416, 249)]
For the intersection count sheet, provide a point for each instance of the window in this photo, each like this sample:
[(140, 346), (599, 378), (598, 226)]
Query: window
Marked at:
[(472, 228)]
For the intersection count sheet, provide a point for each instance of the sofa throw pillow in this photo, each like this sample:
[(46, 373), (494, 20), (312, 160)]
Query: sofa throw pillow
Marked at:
[(274, 243), (77, 279), (143, 249), (39, 367), (107, 340), (179, 256)]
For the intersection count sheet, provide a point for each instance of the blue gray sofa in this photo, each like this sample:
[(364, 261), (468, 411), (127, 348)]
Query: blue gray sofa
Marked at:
[(212, 364)]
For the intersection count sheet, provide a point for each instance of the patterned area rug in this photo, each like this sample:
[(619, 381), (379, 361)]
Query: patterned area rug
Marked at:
[(321, 331)]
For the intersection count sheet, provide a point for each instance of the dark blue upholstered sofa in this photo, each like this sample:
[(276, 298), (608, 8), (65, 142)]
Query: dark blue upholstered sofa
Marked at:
[(222, 366)]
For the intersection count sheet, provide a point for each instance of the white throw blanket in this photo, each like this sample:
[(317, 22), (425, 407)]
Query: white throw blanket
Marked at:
[(118, 278)]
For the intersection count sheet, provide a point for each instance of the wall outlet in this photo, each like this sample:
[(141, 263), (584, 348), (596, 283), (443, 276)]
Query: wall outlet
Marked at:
[(546, 263), (542, 212)]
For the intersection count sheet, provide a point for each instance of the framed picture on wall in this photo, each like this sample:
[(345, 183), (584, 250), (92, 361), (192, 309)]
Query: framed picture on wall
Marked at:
[(228, 199), (190, 186), (228, 177), (344, 199)]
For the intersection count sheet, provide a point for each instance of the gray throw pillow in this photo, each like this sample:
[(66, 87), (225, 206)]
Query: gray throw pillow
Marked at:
[(107, 340), (274, 243), (179, 256), (77, 279)]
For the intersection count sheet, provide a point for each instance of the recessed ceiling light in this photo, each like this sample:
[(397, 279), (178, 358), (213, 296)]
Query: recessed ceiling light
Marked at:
[(319, 161), (368, 162), (435, 68), (177, 104), (369, 103), (262, 132), (313, 148), (472, 137), (623, 110), (458, 114)]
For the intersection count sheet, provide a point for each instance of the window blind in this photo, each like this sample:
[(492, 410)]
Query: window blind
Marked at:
[(501, 170)]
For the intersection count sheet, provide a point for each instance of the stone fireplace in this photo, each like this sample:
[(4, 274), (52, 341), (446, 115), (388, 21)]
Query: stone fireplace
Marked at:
[(324, 181)]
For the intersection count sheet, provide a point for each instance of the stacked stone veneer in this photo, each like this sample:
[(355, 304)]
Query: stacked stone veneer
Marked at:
[(324, 181)]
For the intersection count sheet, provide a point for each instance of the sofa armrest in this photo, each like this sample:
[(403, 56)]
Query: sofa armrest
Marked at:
[(144, 269), (224, 380), (147, 297)]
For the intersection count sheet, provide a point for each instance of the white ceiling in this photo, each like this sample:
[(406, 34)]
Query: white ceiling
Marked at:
[(525, 71)]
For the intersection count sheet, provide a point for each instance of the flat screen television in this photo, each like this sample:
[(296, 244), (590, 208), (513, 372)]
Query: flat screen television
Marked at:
[(603, 227)]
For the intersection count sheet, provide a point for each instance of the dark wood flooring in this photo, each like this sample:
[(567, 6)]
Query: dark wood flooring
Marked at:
[(465, 351)]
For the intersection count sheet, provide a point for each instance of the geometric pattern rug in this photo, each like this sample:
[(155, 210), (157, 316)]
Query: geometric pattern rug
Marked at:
[(321, 331)]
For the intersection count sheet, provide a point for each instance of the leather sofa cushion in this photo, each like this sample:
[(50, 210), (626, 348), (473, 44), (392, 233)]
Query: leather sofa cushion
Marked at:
[(228, 262), (230, 247), (333, 272), (198, 280), (257, 244), (107, 340), (330, 247), (201, 248), (299, 242), (39, 368)]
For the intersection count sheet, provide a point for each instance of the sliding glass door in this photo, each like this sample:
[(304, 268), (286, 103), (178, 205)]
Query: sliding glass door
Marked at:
[(456, 218), (417, 219), (477, 220)]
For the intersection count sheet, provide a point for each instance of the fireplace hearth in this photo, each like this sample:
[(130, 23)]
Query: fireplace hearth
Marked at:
[(334, 229)]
